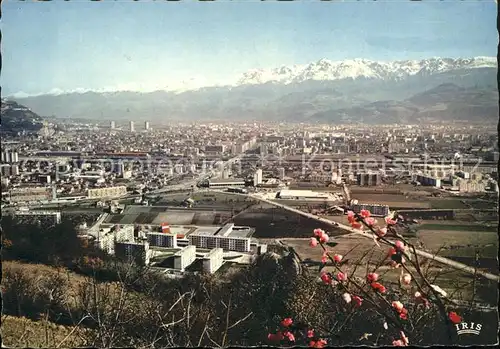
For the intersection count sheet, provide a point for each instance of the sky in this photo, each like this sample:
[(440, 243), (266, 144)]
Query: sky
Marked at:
[(67, 46)]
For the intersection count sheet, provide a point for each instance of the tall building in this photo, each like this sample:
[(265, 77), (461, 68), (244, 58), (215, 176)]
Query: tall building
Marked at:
[(162, 240), (132, 127), (112, 125), (133, 252), (281, 173), (146, 125), (257, 177)]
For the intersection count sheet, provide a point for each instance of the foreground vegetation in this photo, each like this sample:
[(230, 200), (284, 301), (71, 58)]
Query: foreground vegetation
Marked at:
[(69, 294)]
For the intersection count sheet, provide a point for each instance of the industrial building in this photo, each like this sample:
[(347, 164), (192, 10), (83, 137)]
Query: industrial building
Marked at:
[(51, 217), (375, 209), (428, 181), (30, 194), (184, 257), (213, 260), (225, 183), (130, 252), (162, 239), (106, 192), (369, 179), (229, 238), (305, 195)]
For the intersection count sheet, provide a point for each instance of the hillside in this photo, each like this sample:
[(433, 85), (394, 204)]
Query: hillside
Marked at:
[(18, 118)]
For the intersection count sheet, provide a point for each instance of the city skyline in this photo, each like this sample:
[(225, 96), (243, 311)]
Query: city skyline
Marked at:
[(182, 45)]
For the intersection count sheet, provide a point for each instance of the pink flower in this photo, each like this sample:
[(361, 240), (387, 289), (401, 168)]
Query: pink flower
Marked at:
[(356, 225), (317, 344), (324, 258), (324, 238), (327, 279), (398, 343), (378, 286), (390, 221), (454, 317), (286, 322), (289, 335), (403, 314), (398, 306), (400, 245), (350, 214), (391, 251), (310, 333), (318, 232), (372, 277), (313, 242), (381, 232), (404, 338), (358, 300), (337, 258), (418, 295), (341, 276), (364, 213), (370, 221), (406, 279)]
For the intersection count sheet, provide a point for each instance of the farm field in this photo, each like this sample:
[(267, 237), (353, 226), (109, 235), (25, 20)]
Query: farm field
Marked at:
[(464, 227)]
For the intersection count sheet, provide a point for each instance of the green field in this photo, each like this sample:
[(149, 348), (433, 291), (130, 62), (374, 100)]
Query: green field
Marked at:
[(457, 227)]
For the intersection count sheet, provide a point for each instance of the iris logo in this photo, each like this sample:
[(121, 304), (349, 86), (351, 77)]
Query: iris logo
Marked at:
[(468, 328)]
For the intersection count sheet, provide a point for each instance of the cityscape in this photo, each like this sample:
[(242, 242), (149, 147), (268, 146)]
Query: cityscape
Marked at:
[(249, 197)]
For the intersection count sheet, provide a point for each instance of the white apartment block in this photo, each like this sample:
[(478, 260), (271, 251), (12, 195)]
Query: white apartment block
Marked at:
[(213, 260), (162, 240), (137, 252), (184, 257), (227, 243)]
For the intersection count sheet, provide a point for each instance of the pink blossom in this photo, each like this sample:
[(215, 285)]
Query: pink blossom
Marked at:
[(310, 333), (358, 300), (327, 279), (381, 232), (390, 221), (350, 214), (400, 245), (318, 232), (404, 338), (378, 286), (398, 343), (391, 251), (418, 294), (317, 344), (364, 213), (347, 297), (313, 242), (337, 258), (370, 221), (406, 279), (398, 306), (286, 322), (324, 238), (289, 335), (324, 258), (372, 277), (356, 225), (341, 276)]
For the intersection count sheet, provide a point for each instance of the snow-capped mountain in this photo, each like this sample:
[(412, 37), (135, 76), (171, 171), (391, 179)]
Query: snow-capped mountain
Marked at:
[(322, 90), (325, 69)]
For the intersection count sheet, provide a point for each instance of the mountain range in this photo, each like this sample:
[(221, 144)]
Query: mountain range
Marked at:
[(347, 91)]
